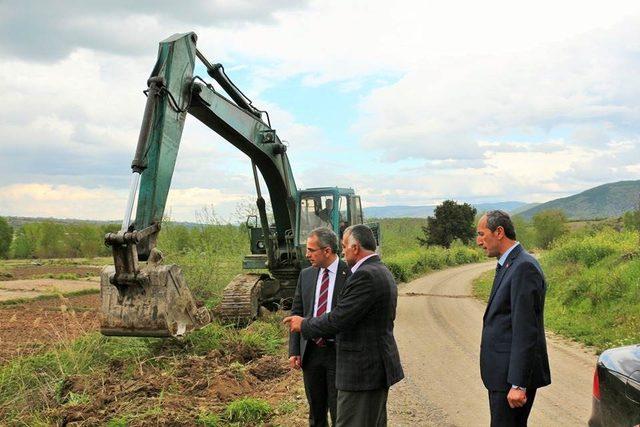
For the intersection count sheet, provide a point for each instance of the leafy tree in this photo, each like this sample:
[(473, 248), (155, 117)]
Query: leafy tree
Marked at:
[(450, 221), (549, 225), (51, 240), (24, 244), (6, 237)]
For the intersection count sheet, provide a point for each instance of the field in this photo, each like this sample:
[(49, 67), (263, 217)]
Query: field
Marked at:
[(60, 368)]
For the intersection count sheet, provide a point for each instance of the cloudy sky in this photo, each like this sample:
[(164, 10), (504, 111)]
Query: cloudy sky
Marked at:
[(475, 101)]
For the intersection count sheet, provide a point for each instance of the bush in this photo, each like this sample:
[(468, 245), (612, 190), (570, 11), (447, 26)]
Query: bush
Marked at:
[(210, 256), (549, 225)]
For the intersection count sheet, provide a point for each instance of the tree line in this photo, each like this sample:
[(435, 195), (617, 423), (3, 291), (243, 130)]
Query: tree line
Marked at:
[(48, 239), (456, 221), (451, 222)]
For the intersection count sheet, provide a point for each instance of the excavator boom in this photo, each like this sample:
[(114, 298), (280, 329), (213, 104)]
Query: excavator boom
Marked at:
[(153, 299)]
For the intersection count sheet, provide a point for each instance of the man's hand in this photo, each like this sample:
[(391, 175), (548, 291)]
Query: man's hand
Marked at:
[(295, 362), (516, 398), (295, 323)]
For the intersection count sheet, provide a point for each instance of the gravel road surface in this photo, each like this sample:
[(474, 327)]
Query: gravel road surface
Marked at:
[(438, 329)]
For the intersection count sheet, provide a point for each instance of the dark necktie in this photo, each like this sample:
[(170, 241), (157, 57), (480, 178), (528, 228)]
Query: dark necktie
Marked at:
[(495, 280), (322, 302)]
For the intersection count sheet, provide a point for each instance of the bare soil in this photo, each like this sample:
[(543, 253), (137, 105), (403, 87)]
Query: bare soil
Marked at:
[(146, 396), (21, 272), (29, 327), (31, 288)]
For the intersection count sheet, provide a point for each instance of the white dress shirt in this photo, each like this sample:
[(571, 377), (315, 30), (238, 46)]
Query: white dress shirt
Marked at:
[(333, 272), (504, 256), (359, 263)]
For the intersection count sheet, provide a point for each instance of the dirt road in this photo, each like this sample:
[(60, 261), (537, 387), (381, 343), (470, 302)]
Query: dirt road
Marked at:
[(438, 329)]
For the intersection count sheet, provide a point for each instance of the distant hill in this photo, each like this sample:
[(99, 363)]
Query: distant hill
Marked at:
[(604, 201), (19, 221), (427, 210), (523, 208)]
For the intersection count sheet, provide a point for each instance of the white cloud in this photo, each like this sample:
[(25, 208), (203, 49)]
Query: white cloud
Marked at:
[(496, 99), (68, 201)]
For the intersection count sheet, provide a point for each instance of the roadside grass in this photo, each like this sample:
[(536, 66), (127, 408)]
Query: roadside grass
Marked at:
[(408, 265), (593, 293), (406, 259)]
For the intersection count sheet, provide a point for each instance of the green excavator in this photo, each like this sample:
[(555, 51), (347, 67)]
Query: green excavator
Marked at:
[(152, 299)]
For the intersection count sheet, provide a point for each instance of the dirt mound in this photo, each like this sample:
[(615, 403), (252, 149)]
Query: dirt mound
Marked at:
[(268, 367), (146, 394)]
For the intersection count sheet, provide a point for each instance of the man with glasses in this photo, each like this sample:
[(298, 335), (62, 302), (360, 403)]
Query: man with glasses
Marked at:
[(316, 294)]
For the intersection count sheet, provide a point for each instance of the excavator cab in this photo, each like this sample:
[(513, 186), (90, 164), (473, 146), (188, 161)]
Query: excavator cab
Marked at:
[(332, 207)]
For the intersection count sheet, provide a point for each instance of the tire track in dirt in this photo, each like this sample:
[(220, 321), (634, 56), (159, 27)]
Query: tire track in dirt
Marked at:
[(438, 329)]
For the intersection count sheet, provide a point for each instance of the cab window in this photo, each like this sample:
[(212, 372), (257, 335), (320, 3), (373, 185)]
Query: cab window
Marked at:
[(355, 210), (315, 211)]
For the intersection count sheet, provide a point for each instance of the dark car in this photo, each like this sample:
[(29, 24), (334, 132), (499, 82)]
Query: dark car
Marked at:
[(616, 388)]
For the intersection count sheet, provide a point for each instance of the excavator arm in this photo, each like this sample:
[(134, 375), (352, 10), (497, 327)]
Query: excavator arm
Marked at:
[(153, 300)]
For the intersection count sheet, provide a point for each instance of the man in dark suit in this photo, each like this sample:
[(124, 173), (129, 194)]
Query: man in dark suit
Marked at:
[(513, 350), (368, 362), (317, 293)]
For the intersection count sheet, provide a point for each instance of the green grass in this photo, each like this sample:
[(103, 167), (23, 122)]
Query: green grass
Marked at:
[(400, 235), (593, 293), (30, 384), (19, 301), (248, 411), (210, 256), (208, 419), (260, 337), (408, 265), (406, 259)]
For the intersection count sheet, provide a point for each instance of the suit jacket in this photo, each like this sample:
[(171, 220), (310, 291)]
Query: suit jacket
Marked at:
[(366, 353), (304, 300), (513, 350)]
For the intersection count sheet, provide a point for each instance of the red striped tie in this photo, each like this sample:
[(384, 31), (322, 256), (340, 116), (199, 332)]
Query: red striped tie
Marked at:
[(322, 302)]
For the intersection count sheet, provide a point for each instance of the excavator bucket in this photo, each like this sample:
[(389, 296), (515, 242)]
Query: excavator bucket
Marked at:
[(159, 304)]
